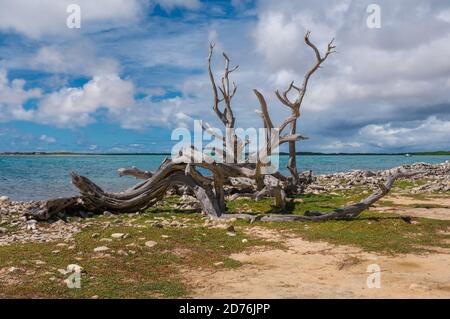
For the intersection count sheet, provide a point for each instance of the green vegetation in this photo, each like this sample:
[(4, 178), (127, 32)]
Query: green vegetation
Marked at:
[(407, 184), (130, 269), (371, 231), (375, 232), (299, 205)]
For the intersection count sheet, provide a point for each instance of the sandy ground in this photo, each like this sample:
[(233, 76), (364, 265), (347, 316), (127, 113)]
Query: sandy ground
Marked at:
[(321, 270), (434, 213)]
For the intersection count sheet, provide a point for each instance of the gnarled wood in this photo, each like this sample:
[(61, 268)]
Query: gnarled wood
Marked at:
[(349, 211), (245, 179)]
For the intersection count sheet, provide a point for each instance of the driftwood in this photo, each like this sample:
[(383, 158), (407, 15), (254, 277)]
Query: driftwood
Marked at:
[(248, 178), (349, 211)]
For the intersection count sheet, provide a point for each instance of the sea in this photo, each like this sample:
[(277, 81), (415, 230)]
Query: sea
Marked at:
[(24, 177)]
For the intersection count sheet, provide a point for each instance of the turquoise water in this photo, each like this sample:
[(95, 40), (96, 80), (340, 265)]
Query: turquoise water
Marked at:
[(41, 177)]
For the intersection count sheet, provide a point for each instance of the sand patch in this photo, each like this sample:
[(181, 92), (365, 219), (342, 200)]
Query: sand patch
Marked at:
[(441, 213), (321, 270), (405, 200)]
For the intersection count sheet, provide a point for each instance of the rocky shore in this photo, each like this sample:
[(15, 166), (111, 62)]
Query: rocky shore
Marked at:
[(434, 179), (15, 227)]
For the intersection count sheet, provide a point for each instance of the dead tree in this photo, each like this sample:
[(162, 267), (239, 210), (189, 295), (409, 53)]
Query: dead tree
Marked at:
[(184, 170), (295, 104)]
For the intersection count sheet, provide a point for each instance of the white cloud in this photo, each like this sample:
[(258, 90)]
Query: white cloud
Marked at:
[(80, 58), (12, 97), (145, 113), (339, 146), (72, 107), (48, 17), (431, 132), (47, 139), (444, 15), (169, 5)]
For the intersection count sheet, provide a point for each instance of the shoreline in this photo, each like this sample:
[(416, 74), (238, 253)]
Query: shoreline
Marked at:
[(436, 153), (438, 176), (353, 177)]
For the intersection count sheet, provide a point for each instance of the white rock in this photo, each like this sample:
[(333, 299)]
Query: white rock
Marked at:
[(118, 235), (150, 243), (4, 199), (14, 269), (31, 224), (244, 240), (100, 249), (122, 252)]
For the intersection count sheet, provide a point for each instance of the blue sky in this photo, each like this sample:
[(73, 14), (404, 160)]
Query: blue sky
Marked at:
[(136, 69)]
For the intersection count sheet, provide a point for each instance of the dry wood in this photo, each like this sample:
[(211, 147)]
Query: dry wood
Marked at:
[(247, 179)]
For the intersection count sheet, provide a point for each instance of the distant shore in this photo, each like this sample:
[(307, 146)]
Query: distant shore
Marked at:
[(436, 153)]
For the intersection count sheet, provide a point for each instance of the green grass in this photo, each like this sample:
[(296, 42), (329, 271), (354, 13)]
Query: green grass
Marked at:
[(407, 184), (303, 203), (148, 273), (374, 232)]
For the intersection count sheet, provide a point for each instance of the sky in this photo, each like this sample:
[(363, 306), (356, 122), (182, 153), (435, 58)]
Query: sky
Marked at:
[(136, 70)]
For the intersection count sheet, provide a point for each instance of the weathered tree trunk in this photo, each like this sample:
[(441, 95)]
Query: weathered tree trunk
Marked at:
[(350, 211)]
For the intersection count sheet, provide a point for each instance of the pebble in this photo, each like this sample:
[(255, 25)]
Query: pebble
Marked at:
[(107, 214), (14, 269), (100, 249), (4, 199), (122, 252), (245, 240), (150, 243), (31, 224), (118, 235)]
